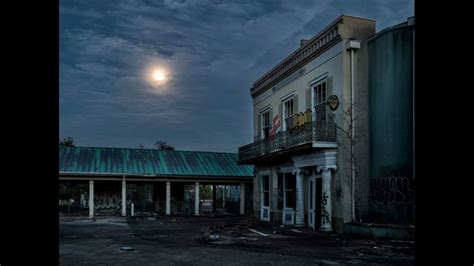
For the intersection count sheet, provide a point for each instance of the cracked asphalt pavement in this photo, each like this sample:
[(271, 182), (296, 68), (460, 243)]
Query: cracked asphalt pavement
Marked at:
[(218, 240)]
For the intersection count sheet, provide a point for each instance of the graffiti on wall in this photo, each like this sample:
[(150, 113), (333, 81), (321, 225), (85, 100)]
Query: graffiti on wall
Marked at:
[(108, 203), (324, 213), (392, 190)]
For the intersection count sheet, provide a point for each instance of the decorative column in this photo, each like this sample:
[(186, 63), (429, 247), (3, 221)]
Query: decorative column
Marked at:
[(242, 198), (214, 198), (91, 198), (223, 196), (326, 210), (299, 219), (124, 197), (168, 198), (196, 199)]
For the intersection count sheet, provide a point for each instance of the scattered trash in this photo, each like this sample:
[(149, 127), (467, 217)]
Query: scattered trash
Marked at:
[(151, 218), (296, 231), (375, 247), (126, 248), (247, 238), (257, 232), (360, 254), (274, 232), (214, 237), (403, 241)]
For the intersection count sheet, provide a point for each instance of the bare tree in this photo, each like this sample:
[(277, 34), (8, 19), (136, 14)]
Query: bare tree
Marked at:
[(351, 139), (163, 146), (68, 142)]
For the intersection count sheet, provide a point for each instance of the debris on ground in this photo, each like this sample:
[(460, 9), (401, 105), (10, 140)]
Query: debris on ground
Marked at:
[(214, 237), (126, 248), (257, 232), (296, 231), (247, 238)]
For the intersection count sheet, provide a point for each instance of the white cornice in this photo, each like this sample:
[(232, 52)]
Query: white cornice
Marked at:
[(317, 45)]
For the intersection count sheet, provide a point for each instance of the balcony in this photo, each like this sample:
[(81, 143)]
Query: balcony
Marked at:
[(311, 134)]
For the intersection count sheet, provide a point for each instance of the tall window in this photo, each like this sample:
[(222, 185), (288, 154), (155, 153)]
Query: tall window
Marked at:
[(290, 190), (265, 124), (320, 93), (288, 113), (266, 190)]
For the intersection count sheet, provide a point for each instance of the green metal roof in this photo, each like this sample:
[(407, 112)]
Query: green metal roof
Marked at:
[(94, 160)]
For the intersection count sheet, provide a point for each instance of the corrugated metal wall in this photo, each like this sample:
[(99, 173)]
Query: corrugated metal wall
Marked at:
[(391, 125)]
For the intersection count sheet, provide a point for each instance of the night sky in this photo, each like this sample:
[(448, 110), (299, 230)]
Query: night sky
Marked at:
[(212, 51)]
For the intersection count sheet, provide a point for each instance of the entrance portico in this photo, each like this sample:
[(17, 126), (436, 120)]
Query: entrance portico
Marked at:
[(322, 164)]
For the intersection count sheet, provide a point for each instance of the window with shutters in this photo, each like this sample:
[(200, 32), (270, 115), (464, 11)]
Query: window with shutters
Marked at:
[(265, 124), (320, 91), (288, 111)]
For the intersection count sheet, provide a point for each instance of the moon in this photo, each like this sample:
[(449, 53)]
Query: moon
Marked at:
[(158, 75)]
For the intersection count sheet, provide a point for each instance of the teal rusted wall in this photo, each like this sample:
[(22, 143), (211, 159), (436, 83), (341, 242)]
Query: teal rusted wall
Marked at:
[(391, 125)]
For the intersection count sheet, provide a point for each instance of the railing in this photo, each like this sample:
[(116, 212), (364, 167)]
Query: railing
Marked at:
[(297, 136)]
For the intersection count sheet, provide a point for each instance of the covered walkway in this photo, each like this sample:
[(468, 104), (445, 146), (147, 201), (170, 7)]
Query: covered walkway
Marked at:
[(118, 181)]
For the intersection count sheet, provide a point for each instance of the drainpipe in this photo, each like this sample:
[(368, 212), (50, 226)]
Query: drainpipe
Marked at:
[(352, 45)]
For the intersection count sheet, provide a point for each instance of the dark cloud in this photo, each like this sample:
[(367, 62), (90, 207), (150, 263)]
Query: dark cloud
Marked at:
[(213, 49)]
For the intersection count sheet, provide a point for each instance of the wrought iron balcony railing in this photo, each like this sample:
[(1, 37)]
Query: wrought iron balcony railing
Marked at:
[(307, 133)]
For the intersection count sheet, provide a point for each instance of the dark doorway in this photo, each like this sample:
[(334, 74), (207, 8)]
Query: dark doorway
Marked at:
[(318, 203)]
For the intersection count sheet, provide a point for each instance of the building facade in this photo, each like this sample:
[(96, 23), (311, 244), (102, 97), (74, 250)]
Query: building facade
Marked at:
[(117, 181), (311, 133)]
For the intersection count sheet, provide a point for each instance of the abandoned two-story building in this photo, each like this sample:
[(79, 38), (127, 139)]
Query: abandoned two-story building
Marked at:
[(334, 131), (310, 148)]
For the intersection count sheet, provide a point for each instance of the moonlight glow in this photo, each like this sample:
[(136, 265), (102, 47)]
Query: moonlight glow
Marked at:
[(159, 75)]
